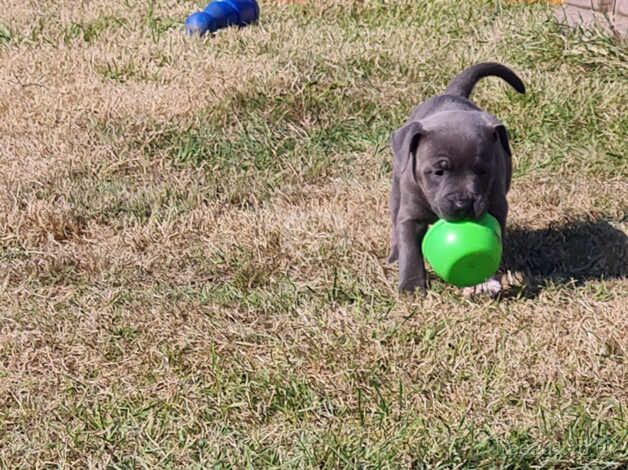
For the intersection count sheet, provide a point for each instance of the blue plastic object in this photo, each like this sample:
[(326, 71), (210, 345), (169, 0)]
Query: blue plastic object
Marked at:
[(220, 14)]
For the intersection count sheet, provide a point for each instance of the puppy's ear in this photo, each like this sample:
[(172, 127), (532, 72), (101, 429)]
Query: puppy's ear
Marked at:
[(404, 142), (501, 134)]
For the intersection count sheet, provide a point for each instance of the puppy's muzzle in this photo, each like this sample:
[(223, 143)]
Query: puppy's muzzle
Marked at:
[(464, 206)]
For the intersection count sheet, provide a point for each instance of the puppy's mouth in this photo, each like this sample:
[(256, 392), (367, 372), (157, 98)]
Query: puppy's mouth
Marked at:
[(458, 217), (451, 213)]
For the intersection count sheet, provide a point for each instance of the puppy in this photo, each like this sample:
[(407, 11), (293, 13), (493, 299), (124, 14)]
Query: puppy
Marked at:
[(451, 161)]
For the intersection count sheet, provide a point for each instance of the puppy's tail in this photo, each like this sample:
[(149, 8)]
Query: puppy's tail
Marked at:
[(463, 83)]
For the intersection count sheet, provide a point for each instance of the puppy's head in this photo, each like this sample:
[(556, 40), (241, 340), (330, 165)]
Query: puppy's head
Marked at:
[(455, 157)]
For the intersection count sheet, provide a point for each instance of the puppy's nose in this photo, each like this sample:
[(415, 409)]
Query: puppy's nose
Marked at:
[(464, 205)]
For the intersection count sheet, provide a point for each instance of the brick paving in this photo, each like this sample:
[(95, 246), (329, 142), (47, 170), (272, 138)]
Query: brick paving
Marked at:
[(611, 15)]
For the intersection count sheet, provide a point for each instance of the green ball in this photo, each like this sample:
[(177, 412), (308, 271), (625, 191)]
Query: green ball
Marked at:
[(464, 253)]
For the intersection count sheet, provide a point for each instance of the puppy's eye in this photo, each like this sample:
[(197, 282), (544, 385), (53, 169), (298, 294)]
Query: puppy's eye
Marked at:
[(441, 168)]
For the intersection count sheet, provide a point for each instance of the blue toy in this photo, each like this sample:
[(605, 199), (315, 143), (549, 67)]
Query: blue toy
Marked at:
[(222, 13)]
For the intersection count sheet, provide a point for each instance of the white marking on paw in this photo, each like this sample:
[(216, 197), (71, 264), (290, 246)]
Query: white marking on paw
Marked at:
[(492, 288)]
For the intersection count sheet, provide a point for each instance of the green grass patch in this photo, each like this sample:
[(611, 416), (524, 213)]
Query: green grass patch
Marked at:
[(6, 34), (93, 31)]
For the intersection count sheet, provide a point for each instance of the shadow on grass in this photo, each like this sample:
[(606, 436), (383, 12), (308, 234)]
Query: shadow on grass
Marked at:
[(570, 253)]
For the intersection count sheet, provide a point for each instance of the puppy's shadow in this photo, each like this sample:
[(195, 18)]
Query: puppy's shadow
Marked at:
[(574, 252)]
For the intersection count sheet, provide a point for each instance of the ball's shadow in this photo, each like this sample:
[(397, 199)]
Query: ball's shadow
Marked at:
[(571, 253)]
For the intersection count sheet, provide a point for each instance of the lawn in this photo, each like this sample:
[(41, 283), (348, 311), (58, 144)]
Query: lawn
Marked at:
[(194, 234)]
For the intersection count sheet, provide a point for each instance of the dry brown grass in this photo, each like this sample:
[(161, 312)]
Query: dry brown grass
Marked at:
[(194, 233)]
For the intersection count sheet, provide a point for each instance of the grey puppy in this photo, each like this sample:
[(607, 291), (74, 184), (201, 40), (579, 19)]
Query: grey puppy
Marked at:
[(451, 161)]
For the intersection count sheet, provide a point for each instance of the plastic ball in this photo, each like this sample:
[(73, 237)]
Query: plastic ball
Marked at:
[(464, 253)]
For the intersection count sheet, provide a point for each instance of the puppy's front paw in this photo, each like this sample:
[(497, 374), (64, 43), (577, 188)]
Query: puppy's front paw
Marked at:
[(490, 288), (394, 254), (412, 286)]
